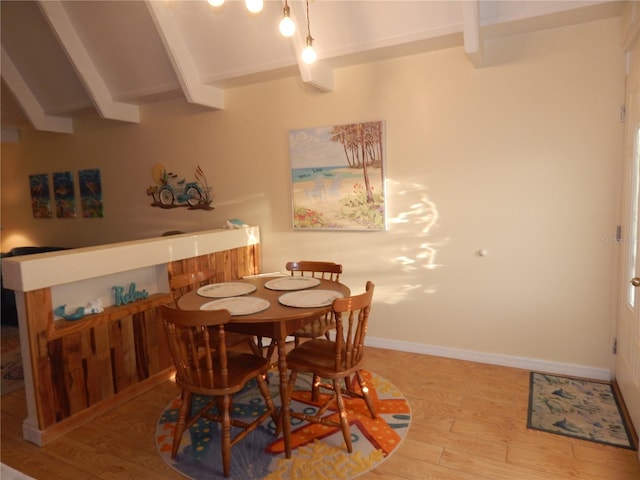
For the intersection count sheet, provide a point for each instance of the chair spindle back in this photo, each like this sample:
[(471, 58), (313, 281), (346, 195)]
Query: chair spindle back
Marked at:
[(324, 270), (351, 316), (197, 344), (181, 283)]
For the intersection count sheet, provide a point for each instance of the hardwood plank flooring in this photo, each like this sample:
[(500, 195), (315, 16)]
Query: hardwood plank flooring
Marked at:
[(468, 423)]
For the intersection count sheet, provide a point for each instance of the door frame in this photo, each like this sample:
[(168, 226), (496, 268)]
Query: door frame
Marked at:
[(626, 320)]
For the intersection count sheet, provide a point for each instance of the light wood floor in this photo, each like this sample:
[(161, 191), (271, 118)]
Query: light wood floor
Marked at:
[(468, 423)]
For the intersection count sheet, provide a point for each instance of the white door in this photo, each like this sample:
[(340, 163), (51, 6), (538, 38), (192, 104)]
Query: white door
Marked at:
[(627, 363)]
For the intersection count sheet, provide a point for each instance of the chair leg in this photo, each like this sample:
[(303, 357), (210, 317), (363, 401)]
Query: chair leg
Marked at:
[(344, 421), (365, 393), (292, 383), (315, 388), (347, 383), (226, 435), (270, 350), (256, 348), (293, 376), (262, 385), (185, 407)]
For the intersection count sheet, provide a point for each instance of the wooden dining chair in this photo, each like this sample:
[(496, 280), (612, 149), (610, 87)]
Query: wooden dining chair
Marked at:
[(320, 325), (324, 270), (336, 362), (181, 283), (204, 366)]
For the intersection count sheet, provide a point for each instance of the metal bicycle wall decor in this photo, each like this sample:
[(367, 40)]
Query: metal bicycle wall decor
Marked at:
[(171, 191)]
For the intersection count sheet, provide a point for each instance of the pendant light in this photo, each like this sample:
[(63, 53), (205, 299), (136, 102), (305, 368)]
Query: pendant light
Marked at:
[(254, 6), (308, 53), (287, 27)]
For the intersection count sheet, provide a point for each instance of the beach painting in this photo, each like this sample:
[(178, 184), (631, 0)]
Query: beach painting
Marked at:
[(337, 177)]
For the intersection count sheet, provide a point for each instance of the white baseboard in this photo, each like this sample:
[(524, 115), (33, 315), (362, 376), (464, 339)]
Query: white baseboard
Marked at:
[(493, 359), (8, 473)]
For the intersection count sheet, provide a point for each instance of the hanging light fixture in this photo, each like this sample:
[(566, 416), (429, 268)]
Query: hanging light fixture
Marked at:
[(254, 6), (287, 27), (308, 53)]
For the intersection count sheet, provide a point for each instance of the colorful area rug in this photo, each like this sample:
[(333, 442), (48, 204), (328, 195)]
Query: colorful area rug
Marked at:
[(318, 451), (11, 361), (585, 409)]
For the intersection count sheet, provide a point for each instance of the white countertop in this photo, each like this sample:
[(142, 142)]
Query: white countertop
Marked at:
[(31, 272)]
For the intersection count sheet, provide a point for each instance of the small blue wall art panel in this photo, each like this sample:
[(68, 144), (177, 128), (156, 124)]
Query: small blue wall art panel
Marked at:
[(64, 194), (40, 195), (91, 193)]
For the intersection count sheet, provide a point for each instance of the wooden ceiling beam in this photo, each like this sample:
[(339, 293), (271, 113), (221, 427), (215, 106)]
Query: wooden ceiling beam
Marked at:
[(28, 101), (473, 42), (55, 13), (183, 64)]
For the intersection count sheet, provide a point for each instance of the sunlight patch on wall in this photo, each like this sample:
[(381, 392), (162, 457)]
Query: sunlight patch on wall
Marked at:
[(415, 248), (422, 214)]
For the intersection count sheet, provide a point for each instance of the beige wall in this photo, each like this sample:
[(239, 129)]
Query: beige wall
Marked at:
[(521, 158)]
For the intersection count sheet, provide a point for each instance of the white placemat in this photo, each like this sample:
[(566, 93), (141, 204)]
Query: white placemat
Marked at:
[(309, 298), (238, 305), (292, 283), (226, 289)]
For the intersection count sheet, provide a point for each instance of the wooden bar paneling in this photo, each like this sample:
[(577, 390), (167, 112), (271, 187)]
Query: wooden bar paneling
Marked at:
[(72, 373), (142, 355), (117, 355), (82, 367), (58, 407), (228, 264), (102, 345), (39, 315), (91, 364)]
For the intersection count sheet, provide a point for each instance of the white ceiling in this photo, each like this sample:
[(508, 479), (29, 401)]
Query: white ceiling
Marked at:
[(62, 59)]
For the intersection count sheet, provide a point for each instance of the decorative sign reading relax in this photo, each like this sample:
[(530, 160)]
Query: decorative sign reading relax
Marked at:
[(131, 295)]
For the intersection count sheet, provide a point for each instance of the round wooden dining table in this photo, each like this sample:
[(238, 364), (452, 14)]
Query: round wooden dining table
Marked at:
[(278, 321)]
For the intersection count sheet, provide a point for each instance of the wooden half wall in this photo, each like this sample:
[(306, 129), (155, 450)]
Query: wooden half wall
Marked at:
[(77, 370)]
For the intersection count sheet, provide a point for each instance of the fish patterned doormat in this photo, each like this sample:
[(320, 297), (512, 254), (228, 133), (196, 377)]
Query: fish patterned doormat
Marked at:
[(584, 409)]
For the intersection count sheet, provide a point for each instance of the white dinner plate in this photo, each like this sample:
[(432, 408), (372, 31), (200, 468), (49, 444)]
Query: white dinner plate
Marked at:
[(225, 289), (309, 298), (292, 283), (238, 305)]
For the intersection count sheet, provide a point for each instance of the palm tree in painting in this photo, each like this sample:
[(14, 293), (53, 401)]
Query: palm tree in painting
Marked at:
[(362, 145), (339, 134)]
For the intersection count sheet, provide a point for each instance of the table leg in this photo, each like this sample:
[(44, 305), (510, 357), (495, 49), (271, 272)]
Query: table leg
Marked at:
[(284, 395)]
